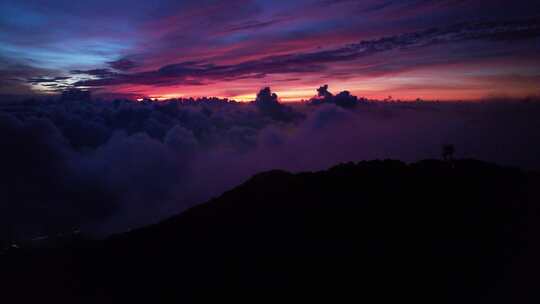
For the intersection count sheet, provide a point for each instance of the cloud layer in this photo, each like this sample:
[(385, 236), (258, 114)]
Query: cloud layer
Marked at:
[(112, 166), (318, 61)]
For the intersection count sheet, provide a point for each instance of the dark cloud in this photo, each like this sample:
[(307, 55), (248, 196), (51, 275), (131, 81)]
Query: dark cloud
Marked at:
[(45, 80), (123, 64), (41, 191), (14, 77), (268, 104), (197, 72), (343, 99), (102, 73), (252, 25)]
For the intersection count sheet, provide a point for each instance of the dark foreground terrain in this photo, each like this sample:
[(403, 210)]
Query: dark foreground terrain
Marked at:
[(434, 231)]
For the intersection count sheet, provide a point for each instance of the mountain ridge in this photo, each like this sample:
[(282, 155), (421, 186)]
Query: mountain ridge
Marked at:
[(454, 231)]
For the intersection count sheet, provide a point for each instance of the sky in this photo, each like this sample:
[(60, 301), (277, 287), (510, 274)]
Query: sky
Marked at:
[(407, 49)]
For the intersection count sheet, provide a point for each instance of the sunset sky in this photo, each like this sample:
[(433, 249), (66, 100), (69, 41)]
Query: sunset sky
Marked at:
[(430, 49)]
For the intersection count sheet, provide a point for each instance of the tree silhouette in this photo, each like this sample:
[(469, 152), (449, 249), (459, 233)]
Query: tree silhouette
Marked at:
[(448, 152)]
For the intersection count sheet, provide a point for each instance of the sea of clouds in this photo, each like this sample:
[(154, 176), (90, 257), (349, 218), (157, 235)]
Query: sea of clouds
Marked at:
[(111, 166)]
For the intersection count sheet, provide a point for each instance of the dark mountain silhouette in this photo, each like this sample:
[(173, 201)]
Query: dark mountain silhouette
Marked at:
[(457, 231)]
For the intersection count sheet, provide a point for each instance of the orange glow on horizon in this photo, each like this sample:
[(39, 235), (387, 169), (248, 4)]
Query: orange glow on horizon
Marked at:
[(449, 82)]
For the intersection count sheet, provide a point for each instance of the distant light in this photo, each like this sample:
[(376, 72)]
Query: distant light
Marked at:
[(40, 238)]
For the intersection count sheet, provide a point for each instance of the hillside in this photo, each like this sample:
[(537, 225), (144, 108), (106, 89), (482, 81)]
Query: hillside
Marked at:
[(443, 232)]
